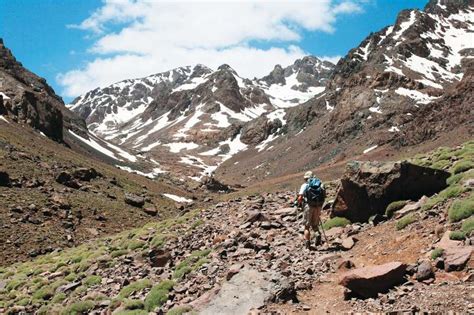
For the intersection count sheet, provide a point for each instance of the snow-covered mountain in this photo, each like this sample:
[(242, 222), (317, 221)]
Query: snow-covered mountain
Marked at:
[(194, 116)]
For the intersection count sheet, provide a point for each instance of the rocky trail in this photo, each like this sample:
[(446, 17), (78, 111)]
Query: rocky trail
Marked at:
[(246, 254)]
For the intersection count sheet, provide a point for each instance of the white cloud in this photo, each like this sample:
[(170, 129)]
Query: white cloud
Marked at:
[(138, 38)]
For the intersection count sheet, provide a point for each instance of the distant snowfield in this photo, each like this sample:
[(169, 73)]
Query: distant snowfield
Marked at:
[(177, 198), (94, 145)]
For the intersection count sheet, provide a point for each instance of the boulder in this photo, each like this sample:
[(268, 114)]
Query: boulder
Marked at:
[(367, 188), (424, 271), (85, 174), (4, 179), (456, 258), (367, 282), (212, 184), (159, 257), (134, 200), (151, 211), (66, 179)]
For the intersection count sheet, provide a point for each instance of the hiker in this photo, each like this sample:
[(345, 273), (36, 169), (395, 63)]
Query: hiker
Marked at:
[(311, 199)]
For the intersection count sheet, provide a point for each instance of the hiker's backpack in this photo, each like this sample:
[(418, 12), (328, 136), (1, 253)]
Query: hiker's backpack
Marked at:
[(315, 193)]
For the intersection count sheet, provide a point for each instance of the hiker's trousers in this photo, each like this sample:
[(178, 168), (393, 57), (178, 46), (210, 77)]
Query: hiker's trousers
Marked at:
[(311, 216)]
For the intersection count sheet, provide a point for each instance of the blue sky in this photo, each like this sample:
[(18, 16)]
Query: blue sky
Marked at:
[(104, 43)]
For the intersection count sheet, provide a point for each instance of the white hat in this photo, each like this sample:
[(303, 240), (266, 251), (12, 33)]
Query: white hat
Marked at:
[(308, 174)]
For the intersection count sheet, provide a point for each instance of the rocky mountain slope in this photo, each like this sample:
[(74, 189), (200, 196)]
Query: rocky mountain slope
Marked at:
[(245, 254), (192, 119), (402, 86), (54, 190)]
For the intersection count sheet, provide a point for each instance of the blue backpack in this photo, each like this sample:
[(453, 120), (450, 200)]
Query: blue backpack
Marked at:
[(315, 193)]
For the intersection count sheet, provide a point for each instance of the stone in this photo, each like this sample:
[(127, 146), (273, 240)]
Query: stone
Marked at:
[(66, 179), (85, 174), (150, 211), (367, 282), (284, 212), (424, 271), (348, 243), (4, 179), (60, 201), (439, 263), (456, 258), (345, 265), (367, 188), (159, 257), (68, 287), (233, 270), (134, 200), (410, 207)]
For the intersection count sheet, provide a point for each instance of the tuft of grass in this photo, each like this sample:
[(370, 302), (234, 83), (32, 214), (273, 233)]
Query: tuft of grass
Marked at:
[(193, 262), (405, 221), (81, 307), (136, 244), (196, 224), (441, 164), (118, 253), (461, 209), (431, 202), (437, 252), (457, 235), (180, 310), (468, 226), (92, 280), (395, 206), (23, 302), (71, 277), (45, 293), (454, 179), (462, 166), (134, 305), (14, 284), (452, 191), (134, 287), (158, 295), (59, 297), (335, 222)]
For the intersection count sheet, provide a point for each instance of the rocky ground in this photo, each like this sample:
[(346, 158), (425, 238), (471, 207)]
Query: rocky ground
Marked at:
[(55, 198), (246, 255)]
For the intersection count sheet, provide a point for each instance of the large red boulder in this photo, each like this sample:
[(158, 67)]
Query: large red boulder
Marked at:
[(369, 281), (367, 188)]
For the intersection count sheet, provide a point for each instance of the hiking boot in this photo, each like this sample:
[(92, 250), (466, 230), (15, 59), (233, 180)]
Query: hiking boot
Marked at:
[(317, 240), (307, 244)]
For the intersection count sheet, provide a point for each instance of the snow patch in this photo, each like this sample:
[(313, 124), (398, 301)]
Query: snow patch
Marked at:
[(370, 149), (177, 198), (176, 147), (94, 145), (419, 97)]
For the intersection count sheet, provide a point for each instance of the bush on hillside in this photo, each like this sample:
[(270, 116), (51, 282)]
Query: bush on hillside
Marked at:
[(461, 209), (405, 221), (468, 226), (437, 252), (335, 222), (457, 235), (462, 166), (395, 206)]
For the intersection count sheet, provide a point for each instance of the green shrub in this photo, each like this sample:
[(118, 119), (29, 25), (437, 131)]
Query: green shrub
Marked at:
[(405, 221), (134, 305), (452, 191), (118, 253), (23, 302), (441, 164), (457, 235), (193, 262), (336, 222), (71, 277), (136, 244), (134, 287), (132, 312), (180, 310), (45, 293), (395, 206), (158, 241), (14, 284), (454, 179), (437, 252), (431, 202), (158, 295), (462, 166), (468, 226), (59, 297), (461, 209), (81, 307), (92, 280)]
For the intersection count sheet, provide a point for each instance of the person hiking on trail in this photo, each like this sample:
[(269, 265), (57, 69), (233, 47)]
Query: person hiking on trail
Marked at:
[(310, 199)]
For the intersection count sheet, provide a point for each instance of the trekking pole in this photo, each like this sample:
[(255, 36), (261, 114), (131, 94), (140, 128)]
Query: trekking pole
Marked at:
[(322, 229)]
